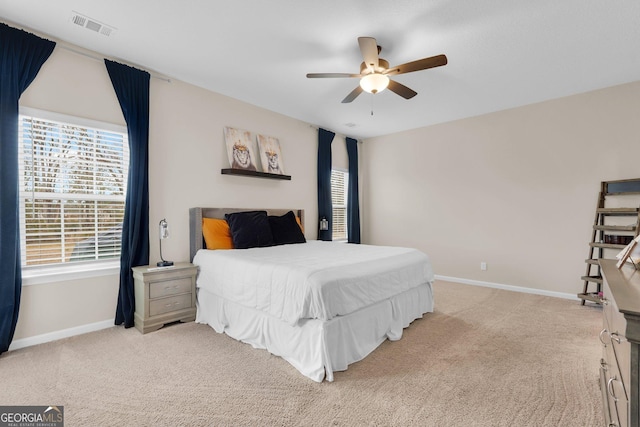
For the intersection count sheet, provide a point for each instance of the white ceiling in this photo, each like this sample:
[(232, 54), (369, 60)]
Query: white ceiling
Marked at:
[(501, 53)]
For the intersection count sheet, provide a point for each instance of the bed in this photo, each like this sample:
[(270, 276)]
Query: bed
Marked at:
[(319, 305)]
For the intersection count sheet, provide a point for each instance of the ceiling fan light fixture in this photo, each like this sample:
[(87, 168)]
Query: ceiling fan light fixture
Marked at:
[(375, 72), (374, 82)]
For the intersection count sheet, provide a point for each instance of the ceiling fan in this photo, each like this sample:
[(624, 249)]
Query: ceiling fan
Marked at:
[(375, 71)]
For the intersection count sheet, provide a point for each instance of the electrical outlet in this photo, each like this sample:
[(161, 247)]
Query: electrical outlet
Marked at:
[(483, 266)]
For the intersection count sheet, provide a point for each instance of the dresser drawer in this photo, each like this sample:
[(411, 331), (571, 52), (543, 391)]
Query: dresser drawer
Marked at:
[(610, 415), (166, 305), (616, 405), (615, 320), (169, 287), (622, 410), (622, 349), (619, 347), (617, 388)]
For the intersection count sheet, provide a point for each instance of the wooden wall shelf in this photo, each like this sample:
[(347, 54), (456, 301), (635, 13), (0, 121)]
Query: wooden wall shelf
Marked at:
[(255, 174)]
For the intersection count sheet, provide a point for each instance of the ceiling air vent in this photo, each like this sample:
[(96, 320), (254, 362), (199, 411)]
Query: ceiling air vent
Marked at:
[(78, 20), (91, 24)]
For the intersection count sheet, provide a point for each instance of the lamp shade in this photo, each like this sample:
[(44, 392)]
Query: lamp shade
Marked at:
[(374, 82)]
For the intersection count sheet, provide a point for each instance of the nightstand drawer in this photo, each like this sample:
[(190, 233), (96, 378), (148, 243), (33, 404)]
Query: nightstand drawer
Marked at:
[(166, 305), (169, 287)]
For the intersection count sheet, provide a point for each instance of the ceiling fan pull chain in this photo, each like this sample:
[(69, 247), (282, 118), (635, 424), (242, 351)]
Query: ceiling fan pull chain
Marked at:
[(372, 96)]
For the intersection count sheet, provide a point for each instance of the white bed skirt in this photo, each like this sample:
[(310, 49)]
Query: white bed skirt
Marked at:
[(317, 348)]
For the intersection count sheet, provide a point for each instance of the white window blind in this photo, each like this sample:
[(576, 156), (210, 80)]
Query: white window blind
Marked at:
[(339, 186), (72, 190)]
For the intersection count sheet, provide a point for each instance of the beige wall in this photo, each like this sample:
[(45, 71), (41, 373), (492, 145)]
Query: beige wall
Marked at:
[(187, 152), (516, 189)]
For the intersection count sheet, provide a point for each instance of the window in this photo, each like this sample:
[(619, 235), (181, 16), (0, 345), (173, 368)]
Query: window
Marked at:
[(339, 187), (73, 175)]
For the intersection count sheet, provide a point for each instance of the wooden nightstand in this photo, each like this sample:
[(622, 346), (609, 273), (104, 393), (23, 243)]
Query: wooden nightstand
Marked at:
[(164, 295)]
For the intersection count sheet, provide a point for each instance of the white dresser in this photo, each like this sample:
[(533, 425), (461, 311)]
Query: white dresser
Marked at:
[(620, 337), (164, 295)]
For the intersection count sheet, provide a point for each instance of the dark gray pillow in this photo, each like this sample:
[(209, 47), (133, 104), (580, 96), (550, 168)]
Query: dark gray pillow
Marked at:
[(285, 229), (250, 229)]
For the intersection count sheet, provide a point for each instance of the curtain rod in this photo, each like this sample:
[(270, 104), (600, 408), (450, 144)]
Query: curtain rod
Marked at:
[(335, 133), (66, 46), (98, 58)]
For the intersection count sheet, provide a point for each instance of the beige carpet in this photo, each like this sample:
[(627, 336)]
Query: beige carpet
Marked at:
[(485, 357)]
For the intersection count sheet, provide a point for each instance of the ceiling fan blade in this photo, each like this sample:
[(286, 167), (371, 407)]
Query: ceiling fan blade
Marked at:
[(353, 95), (401, 90), (369, 49), (330, 75), (420, 64)]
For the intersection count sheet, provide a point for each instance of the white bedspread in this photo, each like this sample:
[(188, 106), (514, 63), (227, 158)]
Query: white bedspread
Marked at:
[(313, 280)]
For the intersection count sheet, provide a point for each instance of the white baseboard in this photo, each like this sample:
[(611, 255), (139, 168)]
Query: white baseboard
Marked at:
[(508, 287), (56, 335)]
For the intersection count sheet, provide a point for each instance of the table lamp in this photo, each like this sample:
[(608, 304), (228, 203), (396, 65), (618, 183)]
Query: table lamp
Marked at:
[(163, 233)]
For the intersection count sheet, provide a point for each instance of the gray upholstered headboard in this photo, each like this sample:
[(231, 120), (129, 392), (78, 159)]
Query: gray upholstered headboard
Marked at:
[(196, 240)]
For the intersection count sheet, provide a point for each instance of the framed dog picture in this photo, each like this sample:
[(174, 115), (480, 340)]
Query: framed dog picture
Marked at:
[(241, 149), (270, 155)]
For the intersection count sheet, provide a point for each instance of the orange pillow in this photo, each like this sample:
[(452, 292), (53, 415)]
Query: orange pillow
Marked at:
[(300, 224), (216, 233)]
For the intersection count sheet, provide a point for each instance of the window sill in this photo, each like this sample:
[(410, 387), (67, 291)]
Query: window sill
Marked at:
[(38, 276)]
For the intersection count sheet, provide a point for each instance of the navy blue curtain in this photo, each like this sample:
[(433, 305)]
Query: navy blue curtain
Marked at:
[(353, 203), (132, 89), (325, 207), (21, 57)]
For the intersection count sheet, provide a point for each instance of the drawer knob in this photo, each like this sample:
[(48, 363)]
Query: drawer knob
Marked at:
[(610, 388), (602, 332), (615, 337), (172, 304)]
